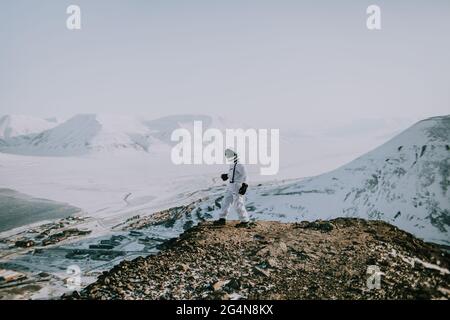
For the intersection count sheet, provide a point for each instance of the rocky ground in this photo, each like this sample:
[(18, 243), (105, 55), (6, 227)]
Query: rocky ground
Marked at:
[(310, 260)]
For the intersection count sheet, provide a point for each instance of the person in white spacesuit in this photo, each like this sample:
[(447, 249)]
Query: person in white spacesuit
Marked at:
[(237, 187)]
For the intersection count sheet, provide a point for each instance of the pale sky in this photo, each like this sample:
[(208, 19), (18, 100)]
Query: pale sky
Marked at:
[(269, 63)]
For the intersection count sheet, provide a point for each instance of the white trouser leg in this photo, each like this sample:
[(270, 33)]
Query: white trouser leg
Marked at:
[(226, 204), (240, 208)]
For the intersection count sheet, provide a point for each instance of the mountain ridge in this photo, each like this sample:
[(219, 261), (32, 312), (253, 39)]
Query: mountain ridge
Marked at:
[(90, 133)]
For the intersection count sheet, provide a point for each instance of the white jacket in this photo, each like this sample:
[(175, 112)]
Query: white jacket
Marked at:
[(237, 175)]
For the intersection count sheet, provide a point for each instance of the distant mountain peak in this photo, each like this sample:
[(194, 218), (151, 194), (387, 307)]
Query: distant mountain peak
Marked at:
[(12, 126), (91, 133)]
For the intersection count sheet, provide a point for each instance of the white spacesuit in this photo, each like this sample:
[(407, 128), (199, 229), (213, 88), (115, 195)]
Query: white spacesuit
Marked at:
[(236, 189)]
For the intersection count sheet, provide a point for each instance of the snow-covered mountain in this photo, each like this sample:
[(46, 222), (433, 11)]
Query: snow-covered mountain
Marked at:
[(18, 125), (404, 181), (91, 133)]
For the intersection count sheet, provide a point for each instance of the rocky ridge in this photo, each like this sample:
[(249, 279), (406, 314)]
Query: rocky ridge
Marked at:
[(336, 259)]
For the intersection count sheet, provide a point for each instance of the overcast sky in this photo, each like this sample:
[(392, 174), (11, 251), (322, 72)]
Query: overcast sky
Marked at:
[(284, 63)]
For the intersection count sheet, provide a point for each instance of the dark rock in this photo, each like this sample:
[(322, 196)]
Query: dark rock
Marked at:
[(24, 243)]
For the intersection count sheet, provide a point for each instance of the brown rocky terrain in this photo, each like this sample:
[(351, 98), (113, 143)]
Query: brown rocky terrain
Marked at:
[(271, 260)]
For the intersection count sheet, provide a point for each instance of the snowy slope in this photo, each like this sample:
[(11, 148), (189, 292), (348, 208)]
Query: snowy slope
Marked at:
[(18, 125), (405, 182)]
